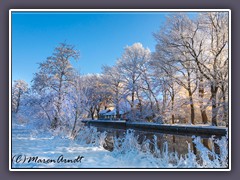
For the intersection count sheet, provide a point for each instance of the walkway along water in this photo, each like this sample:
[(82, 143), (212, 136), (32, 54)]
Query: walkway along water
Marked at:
[(167, 128)]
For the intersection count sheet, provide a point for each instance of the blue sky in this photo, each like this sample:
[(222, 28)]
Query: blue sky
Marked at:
[(100, 37)]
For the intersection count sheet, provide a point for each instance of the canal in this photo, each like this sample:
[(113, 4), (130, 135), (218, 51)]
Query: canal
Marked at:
[(176, 143)]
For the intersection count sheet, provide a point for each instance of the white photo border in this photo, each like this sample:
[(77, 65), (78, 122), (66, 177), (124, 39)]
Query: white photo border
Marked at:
[(107, 11)]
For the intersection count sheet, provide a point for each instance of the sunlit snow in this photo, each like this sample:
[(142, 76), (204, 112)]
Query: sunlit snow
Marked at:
[(127, 153)]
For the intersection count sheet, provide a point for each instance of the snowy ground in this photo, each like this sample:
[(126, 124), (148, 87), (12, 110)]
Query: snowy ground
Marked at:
[(47, 147)]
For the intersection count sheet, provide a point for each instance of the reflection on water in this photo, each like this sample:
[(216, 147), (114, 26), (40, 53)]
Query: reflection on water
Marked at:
[(176, 143)]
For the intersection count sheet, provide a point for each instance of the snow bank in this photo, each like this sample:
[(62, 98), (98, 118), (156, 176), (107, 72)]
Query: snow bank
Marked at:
[(127, 151)]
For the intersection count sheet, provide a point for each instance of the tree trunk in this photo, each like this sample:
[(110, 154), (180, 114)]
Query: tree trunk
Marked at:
[(140, 104), (132, 104), (214, 104), (117, 109), (151, 105), (173, 118), (164, 103), (157, 104), (133, 93), (190, 97), (225, 112), (54, 123), (18, 102), (59, 103), (73, 134), (92, 113), (98, 110), (202, 108), (204, 116), (191, 106)]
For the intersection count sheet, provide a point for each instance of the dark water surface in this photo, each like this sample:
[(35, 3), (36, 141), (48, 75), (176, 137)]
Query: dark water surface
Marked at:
[(176, 142)]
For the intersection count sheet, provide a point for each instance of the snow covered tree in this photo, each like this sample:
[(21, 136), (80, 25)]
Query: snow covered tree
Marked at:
[(149, 89), (74, 104), (40, 106), (96, 94), (214, 66), (164, 75), (197, 48), (19, 88), (130, 66), (112, 80), (171, 53), (55, 75)]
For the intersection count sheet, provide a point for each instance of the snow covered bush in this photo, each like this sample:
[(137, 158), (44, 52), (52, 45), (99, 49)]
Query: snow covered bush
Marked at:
[(19, 89), (90, 136), (148, 153)]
